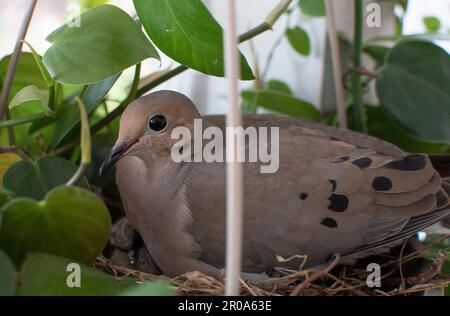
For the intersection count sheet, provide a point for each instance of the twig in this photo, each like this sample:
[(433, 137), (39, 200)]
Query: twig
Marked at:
[(434, 270), (16, 149), (22, 120), (274, 47), (315, 276), (400, 264), (336, 61), (12, 67)]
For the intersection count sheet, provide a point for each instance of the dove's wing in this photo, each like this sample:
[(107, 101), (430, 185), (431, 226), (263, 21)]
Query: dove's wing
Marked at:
[(336, 191)]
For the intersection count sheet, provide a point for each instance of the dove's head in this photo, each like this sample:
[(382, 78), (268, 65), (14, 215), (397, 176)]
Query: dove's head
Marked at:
[(146, 126)]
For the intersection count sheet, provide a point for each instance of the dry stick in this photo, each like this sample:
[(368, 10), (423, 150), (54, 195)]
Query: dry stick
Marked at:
[(336, 61), (316, 276), (400, 264), (433, 271), (12, 67)]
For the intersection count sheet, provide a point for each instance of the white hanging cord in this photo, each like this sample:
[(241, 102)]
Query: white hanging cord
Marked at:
[(234, 169)]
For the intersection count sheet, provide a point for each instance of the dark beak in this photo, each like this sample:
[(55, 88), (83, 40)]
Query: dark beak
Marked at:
[(117, 152)]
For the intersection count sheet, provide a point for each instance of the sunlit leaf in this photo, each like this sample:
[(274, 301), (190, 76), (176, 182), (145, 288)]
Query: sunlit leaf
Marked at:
[(70, 222), (432, 23), (32, 93)]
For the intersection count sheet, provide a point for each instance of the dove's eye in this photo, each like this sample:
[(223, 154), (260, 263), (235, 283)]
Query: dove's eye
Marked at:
[(157, 123)]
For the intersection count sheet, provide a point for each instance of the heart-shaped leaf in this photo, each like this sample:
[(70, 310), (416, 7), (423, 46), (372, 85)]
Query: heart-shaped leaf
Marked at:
[(45, 274), (70, 222), (35, 179), (414, 89), (32, 93), (107, 42), (299, 40), (8, 277), (382, 125), (188, 33), (283, 103), (313, 7), (6, 161)]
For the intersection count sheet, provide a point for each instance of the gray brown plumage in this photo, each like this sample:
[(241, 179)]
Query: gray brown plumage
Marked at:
[(336, 191)]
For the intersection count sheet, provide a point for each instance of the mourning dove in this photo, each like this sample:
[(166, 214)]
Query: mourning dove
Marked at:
[(336, 191)]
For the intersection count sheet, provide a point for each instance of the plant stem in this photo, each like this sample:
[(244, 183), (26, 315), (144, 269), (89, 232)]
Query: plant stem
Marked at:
[(174, 72), (358, 105), (12, 67), (22, 120), (86, 147), (134, 86)]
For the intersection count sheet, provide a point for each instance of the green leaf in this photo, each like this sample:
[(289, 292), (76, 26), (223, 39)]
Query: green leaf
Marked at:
[(70, 222), (89, 4), (188, 33), (279, 86), (8, 276), (149, 289), (382, 125), (299, 40), (6, 161), (107, 42), (414, 89), (35, 179), (377, 52), (44, 72), (4, 198), (27, 74), (283, 103), (68, 115), (45, 275), (32, 93), (313, 7), (432, 23)]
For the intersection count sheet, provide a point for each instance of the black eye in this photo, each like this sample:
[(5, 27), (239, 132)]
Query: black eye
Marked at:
[(157, 123)]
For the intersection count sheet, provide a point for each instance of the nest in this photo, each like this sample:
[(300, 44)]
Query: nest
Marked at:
[(333, 280)]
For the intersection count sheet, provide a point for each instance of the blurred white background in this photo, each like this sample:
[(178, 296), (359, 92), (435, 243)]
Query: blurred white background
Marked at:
[(303, 74)]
